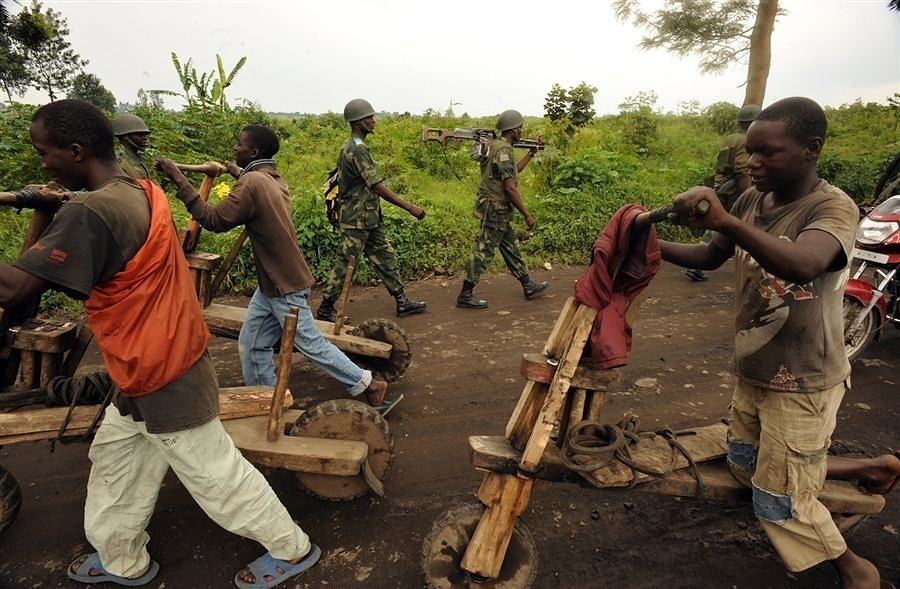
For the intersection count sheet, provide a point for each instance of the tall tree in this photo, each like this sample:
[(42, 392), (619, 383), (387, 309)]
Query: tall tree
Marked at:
[(722, 33), (53, 66), (88, 87), (19, 35)]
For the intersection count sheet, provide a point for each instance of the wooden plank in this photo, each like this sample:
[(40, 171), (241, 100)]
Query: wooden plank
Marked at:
[(284, 374), (595, 402), (50, 364), (73, 358), (29, 369), (226, 320), (506, 497), (203, 261), (313, 455), (521, 423), (720, 485), (540, 368), (236, 401), (43, 336), (556, 340), (496, 454), (344, 296), (549, 416), (576, 412), (226, 265)]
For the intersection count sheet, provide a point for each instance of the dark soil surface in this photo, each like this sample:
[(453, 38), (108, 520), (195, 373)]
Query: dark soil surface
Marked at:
[(464, 380)]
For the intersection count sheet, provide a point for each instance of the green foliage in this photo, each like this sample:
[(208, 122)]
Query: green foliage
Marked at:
[(19, 37), (722, 117), (575, 105), (572, 187), (204, 90), (53, 65), (88, 87), (556, 103)]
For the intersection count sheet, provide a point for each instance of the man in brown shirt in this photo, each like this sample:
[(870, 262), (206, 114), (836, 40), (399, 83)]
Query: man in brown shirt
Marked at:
[(791, 236), (260, 200)]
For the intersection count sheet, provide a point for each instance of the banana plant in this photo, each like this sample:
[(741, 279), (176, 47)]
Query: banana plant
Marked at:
[(224, 81), (204, 89)]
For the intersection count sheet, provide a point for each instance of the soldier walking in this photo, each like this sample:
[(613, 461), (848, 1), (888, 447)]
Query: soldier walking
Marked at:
[(732, 176), (497, 195), (362, 229), (133, 136)]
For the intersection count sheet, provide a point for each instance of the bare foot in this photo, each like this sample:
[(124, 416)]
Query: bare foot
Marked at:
[(857, 572), (882, 478), (376, 392)]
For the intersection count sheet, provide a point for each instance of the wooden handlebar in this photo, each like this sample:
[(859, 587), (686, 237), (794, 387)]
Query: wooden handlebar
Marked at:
[(212, 169)]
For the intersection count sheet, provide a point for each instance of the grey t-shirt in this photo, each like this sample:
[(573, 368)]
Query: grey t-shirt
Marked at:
[(92, 237), (790, 337)]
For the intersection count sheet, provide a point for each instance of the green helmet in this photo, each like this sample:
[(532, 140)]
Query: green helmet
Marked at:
[(748, 114), (128, 123), (357, 109), (510, 119)]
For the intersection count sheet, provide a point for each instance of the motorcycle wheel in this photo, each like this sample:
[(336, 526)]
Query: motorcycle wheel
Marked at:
[(856, 343)]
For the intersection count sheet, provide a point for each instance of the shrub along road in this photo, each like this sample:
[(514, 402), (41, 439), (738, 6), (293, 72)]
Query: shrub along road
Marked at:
[(464, 380)]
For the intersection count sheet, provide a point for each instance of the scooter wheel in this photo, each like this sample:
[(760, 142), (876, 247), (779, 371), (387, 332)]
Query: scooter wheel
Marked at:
[(856, 343)]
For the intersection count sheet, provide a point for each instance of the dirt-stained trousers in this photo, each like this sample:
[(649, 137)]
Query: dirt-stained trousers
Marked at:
[(128, 469)]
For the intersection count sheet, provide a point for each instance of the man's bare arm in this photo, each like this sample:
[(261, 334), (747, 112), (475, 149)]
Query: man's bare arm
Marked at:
[(18, 287), (512, 190), (389, 195), (702, 256)]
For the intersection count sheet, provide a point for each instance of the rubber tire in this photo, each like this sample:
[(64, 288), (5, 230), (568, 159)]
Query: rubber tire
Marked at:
[(365, 425), (445, 545), (10, 498), (867, 329), (383, 330)]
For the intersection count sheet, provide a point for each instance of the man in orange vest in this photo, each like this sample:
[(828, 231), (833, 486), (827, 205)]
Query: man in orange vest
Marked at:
[(141, 306)]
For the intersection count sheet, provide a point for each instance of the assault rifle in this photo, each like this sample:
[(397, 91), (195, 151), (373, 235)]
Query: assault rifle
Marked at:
[(481, 137)]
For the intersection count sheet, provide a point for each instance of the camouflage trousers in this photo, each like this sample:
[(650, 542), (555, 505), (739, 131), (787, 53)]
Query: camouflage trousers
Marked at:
[(489, 239), (374, 245)]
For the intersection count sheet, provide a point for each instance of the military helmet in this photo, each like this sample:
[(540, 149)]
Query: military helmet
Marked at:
[(128, 123), (510, 119), (357, 109), (748, 114)]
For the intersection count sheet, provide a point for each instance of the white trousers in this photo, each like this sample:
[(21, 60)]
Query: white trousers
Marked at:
[(128, 469)]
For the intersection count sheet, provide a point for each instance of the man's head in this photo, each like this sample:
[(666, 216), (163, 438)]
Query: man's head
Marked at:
[(72, 137), (131, 129), (361, 116), (784, 143), (510, 124), (255, 142)]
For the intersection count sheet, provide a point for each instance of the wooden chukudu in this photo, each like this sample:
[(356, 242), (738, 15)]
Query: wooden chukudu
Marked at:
[(564, 395)]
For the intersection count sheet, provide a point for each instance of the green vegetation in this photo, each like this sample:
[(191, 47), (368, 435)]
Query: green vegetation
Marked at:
[(572, 187)]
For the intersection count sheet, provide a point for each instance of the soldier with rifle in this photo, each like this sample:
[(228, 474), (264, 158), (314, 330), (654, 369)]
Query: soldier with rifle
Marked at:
[(133, 136), (362, 229), (732, 176), (498, 195)]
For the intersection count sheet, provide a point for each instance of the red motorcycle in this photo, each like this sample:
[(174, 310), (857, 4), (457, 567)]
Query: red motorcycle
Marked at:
[(872, 302)]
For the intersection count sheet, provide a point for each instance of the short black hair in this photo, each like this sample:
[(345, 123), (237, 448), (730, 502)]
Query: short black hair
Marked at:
[(71, 121), (264, 139), (803, 118)]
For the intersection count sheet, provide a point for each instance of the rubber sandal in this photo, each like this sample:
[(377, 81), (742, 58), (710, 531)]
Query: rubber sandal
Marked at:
[(388, 405), (268, 565), (92, 561)]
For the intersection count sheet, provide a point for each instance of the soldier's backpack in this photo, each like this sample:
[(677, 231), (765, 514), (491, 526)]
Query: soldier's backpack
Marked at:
[(333, 198)]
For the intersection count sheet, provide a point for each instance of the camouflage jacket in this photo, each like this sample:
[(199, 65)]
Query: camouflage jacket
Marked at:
[(360, 204), (493, 205), (732, 164), (133, 164)]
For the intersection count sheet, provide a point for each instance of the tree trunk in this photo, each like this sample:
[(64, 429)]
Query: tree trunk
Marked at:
[(760, 52)]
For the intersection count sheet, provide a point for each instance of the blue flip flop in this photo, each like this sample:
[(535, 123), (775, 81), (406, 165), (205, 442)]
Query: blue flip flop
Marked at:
[(389, 404), (266, 565), (92, 561)]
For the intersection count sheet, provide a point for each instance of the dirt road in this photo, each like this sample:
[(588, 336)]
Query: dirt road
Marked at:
[(464, 380)]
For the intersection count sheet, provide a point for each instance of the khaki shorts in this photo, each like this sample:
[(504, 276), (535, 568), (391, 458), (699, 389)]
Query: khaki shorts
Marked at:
[(778, 444)]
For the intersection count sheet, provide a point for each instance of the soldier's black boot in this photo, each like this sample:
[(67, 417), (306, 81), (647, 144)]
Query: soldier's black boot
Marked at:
[(533, 289), (326, 311), (467, 300), (406, 307)]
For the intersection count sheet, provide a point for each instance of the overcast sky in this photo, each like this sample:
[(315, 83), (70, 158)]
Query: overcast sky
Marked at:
[(406, 55)]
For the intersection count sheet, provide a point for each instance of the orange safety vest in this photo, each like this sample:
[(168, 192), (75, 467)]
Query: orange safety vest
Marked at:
[(147, 319)]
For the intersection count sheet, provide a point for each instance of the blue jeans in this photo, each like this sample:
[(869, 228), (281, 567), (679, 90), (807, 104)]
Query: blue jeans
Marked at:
[(262, 329)]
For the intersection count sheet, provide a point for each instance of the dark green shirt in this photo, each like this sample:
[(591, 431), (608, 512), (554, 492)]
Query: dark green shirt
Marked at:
[(133, 164), (493, 205), (360, 204)]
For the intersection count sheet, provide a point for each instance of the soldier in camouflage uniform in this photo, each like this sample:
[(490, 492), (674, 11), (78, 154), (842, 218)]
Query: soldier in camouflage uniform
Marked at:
[(133, 135), (362, 231), (498, 195), (732, 176)]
